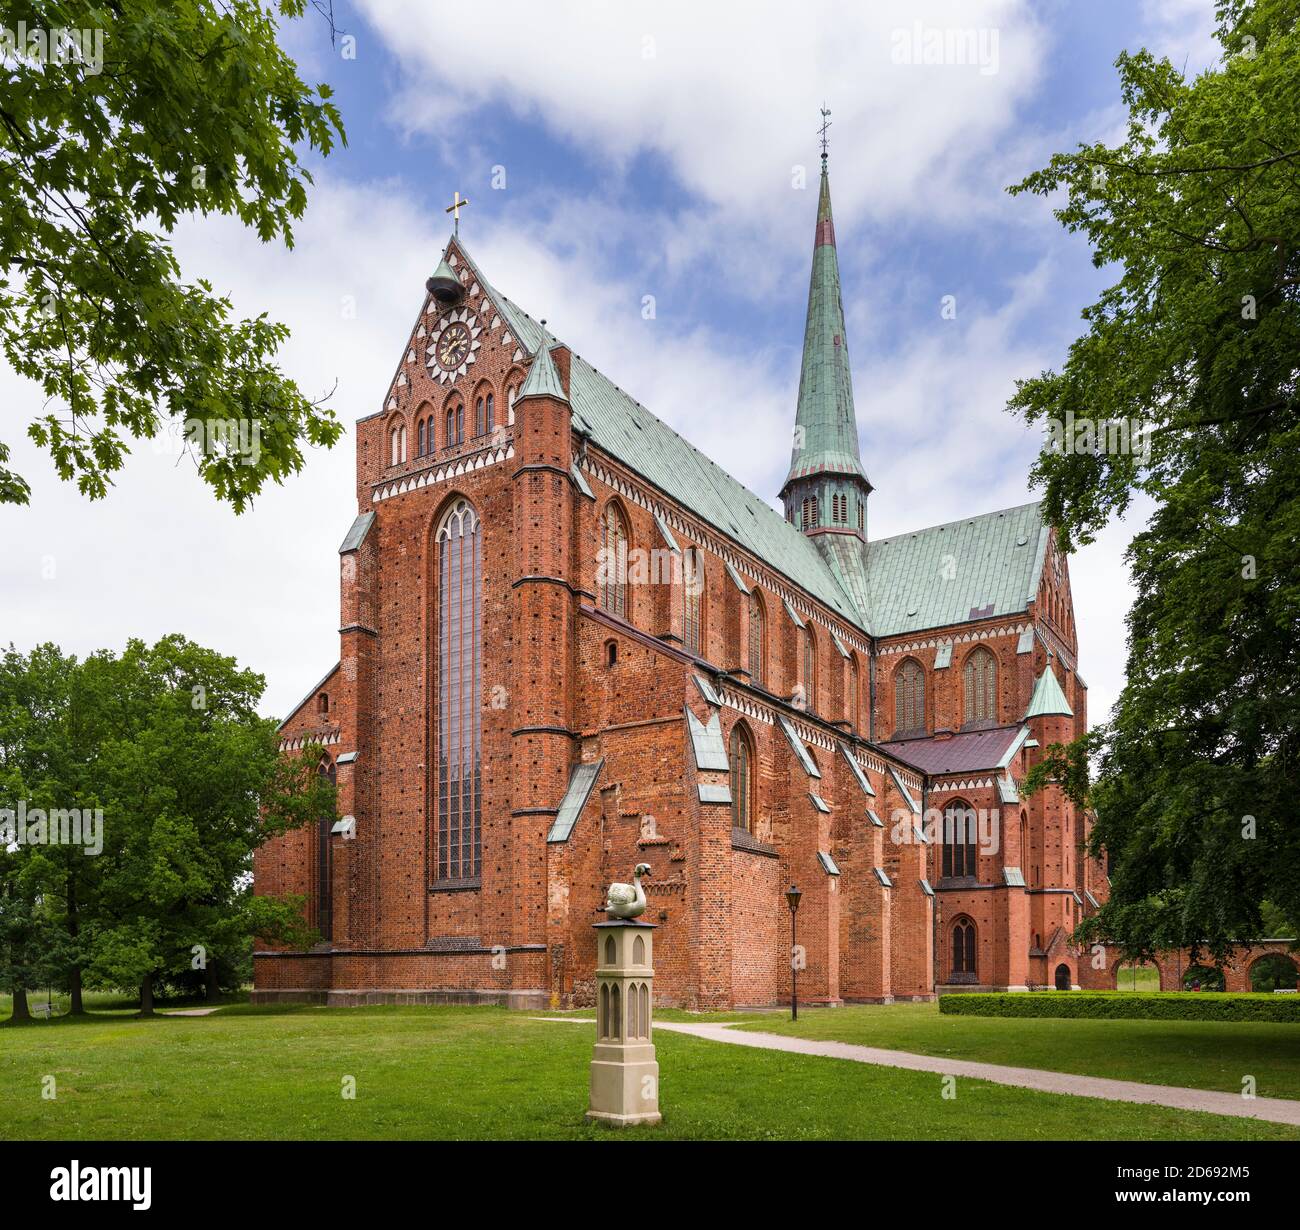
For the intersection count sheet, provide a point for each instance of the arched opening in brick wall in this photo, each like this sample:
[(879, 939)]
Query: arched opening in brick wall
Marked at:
[(1274, 971), (1137, 976), (1202, 978)]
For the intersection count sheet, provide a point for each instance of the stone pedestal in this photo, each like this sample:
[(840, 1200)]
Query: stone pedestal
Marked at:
[(624, 1073)]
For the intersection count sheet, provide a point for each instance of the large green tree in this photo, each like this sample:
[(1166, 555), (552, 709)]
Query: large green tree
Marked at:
[(1198, 212), (167, 741), (117, 119)]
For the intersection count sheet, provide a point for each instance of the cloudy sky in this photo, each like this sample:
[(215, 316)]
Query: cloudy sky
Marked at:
[(637, 149)]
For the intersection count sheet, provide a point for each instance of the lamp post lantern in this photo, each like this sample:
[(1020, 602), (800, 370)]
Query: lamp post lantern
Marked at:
[(792, 896)]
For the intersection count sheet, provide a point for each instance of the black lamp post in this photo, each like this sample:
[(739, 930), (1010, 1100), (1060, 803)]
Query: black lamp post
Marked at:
[(792, 896)]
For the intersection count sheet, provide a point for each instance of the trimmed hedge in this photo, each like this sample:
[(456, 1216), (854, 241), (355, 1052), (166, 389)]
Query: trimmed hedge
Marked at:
[(1128, 1005)]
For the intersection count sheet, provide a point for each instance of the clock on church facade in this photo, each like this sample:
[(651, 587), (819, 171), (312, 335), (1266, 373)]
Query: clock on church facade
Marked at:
[(453, 344), (570, 643)]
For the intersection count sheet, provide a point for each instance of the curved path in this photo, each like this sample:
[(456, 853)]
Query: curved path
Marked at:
[(1274, 1110)]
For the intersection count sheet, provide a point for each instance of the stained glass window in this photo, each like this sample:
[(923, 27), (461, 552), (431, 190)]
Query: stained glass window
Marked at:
[(460, 669), (959, 840), (963, 947), (755, 638), (741, 790), (612, 565), (980, 680), (692, 598), (909, 698)]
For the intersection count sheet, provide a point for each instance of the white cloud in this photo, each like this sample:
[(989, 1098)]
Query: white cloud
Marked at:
[(728, 97), (161, 555), (730, 106)]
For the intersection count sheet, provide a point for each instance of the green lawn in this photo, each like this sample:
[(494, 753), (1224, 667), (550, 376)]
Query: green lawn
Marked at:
[(1137, 978), (451, 1073), (1197, 1054)]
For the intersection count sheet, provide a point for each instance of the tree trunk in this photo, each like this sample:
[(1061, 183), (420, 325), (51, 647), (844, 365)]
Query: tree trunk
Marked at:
[(211, 989), (76, 1007), (21, 1011), (146, 996)]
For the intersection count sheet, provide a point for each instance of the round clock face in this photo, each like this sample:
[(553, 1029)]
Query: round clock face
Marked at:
[(454, 345)]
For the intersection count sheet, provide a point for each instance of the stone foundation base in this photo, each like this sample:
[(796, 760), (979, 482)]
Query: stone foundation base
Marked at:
[(524, 1001), (594, 1116), (968, 988)]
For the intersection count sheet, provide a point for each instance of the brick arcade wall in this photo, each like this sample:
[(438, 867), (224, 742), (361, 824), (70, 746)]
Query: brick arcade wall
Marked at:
[(1171, 965)]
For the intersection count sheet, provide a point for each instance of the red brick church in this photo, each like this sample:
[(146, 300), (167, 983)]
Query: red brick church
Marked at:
[(571, 643)]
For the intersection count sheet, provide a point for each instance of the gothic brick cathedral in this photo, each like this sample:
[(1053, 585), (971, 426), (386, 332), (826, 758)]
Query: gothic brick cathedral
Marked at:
[(570, 643)]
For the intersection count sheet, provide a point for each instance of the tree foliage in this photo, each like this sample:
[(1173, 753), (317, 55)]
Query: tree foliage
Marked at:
[(167, 741), (1198, 210), (194, 110)]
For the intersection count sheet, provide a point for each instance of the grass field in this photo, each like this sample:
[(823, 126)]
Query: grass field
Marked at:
[(1197, 1054), (461, 1073), (1137, 978)]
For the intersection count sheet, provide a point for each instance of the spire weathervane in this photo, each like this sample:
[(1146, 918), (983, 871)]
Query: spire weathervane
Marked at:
[(455, 207), (826, 123)]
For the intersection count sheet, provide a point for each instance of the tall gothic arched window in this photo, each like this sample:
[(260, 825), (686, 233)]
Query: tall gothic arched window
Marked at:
[(693, 599), (490, 421), (808, 669), (852, 709), (959, 838), (478, 416), (979, 683), (742, 786), (963, 949), (909, 698), (612, 578), (460, 672), (324, 860), (419, 444), (756, 631)]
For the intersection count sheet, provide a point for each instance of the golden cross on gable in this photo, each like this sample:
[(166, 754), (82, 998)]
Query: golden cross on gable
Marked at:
[(455, 207)]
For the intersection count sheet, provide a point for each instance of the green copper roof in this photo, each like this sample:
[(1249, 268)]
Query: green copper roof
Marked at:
[(826, 439), (908, 573), (581, 780), (622, 427), (543, 380), (357, 534), (1048, 700), (975, 568)]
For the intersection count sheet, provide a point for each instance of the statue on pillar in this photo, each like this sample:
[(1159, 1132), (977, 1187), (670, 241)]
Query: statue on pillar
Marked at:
[(624, 1072), (628, 900)]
